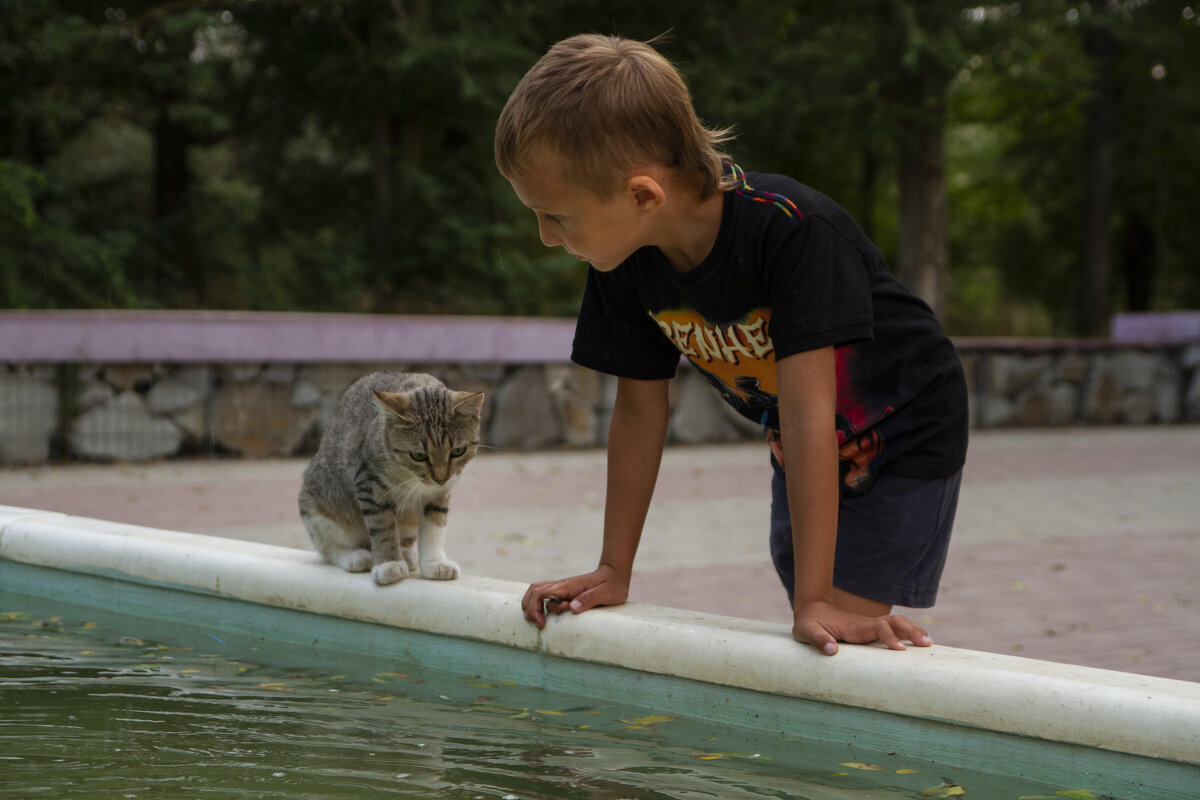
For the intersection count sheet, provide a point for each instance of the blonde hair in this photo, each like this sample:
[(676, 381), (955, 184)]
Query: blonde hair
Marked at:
[(607, 105)]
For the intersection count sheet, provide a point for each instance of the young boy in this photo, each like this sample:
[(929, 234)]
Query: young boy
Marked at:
[(776, 296)]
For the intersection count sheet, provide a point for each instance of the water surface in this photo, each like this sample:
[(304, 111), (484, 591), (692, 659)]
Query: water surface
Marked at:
[(97, 708)]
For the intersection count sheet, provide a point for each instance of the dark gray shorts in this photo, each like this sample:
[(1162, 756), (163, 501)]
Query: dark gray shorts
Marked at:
[(891, 542)]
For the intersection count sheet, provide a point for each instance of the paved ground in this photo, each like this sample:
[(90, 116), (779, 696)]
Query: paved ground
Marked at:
[(1079, 546)]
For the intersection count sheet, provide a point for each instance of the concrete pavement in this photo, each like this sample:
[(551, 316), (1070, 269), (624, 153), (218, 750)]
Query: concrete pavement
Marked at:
[(1077, 545)]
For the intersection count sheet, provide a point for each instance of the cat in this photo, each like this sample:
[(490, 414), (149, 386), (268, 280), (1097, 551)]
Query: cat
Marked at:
[(376, 494)]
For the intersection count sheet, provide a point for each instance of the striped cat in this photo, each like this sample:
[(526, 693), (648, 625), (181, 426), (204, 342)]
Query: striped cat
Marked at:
[(376, 494)]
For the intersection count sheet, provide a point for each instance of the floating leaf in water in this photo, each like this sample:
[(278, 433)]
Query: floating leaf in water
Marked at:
[(487, 707), (1077, 794), (548, 712), (87, 626), (274, 686), (861, 765), (654, 719), (907, 771), (480, 684), (944, 790), (383, 698), (13, 616), (715, 756)]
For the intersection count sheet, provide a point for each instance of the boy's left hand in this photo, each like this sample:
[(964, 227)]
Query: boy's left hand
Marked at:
[(823, 625)]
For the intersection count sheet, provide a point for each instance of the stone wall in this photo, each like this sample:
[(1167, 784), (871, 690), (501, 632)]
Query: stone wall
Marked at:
[(1081, 384), (137, 412), (72, 399)]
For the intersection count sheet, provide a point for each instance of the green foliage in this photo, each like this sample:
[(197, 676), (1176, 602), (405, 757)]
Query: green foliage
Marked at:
[(337, 154)]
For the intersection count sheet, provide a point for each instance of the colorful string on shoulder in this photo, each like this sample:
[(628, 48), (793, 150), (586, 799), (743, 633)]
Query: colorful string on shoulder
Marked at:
[(757, 195)]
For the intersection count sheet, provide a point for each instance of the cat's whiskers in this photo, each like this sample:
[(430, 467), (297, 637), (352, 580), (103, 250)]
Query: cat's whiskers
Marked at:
[(405, 491), (468, 483)]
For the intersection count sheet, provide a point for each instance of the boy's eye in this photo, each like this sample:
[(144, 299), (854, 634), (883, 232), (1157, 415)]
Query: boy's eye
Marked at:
[(552, 218), (418, 455)]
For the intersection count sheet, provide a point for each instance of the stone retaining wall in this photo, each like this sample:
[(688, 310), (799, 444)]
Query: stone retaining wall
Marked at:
[(80, 409)]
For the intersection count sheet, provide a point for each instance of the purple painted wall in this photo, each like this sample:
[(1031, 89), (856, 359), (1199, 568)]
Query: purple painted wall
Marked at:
[(1167, 327), (226, 337)]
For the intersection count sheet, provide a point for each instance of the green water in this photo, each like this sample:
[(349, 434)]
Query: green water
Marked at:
[(98, 709)]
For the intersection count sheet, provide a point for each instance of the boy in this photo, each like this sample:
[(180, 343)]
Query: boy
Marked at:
[(773, 292)]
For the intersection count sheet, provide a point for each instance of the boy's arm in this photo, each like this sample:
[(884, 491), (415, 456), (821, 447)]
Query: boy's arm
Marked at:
[(636, 435), (807, 404)]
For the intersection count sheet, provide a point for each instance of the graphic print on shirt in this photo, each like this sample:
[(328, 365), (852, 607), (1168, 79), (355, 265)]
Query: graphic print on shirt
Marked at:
[(738, 360)]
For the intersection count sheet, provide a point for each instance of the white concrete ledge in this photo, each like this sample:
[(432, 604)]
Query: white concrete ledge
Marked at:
[(1134, 714)]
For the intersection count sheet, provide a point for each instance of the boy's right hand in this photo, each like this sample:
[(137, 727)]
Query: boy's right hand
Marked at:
[(603, 587)]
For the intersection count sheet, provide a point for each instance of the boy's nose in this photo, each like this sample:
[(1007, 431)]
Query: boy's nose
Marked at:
[(548, 238)]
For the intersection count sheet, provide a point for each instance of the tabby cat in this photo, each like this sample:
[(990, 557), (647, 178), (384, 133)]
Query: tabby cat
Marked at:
[(380, 482)]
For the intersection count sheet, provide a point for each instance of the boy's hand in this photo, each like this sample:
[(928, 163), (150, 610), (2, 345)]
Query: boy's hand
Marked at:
[(823, 626), (604, 587)]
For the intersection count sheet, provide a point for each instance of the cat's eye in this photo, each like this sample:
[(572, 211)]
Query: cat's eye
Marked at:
[(418, 455), (458, 451)]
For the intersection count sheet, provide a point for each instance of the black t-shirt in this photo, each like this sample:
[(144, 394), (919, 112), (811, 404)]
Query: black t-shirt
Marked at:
[(790, 271)]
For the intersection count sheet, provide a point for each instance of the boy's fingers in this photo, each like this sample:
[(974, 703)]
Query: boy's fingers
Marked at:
[(586, 600), (908, 630), (885, 634), (816, 635), (534, 603)]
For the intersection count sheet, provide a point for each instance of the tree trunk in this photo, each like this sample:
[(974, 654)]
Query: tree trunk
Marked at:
[(923, 258), (1095, 257), (172, 176), (383, 170), (1139, 257), (868, 189), (177, 265)]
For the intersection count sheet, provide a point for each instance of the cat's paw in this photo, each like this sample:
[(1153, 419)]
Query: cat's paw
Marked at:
[(410, 557), (444, 570), (389, 572), (356, 561)]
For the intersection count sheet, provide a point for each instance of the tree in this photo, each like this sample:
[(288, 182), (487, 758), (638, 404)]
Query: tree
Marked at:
[(337, 155)]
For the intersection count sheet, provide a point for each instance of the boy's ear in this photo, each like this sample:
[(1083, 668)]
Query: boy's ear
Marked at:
[(647, 192)]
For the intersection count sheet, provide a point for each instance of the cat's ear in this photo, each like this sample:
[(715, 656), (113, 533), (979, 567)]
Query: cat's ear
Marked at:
[(398, 403), (468, 403)]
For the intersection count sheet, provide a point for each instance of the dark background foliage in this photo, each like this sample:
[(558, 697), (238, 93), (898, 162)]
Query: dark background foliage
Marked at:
[(1028, 167)]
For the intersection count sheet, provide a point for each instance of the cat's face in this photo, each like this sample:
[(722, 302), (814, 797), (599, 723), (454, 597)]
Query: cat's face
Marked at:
[(432, 434)]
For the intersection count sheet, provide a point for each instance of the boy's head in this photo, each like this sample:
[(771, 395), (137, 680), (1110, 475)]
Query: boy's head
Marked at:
[(606, 106)]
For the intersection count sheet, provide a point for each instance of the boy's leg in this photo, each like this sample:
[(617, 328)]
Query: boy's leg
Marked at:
[(782, 553), (891, 547)]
